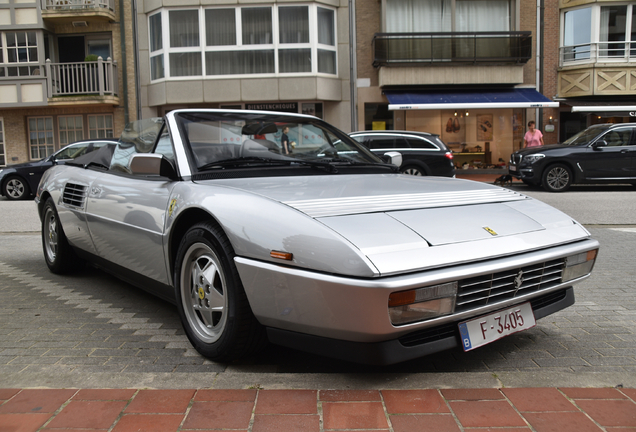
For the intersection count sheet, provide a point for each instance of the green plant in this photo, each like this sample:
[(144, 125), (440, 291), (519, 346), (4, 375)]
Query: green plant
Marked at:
[(91, 57)]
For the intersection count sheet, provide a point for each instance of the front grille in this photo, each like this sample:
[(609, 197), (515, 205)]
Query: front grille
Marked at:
[(497, 287), (74, 195), (451, 330)]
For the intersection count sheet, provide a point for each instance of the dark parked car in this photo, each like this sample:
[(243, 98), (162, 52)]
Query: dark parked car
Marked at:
[(20, 181), (604, 153), (423, 154)]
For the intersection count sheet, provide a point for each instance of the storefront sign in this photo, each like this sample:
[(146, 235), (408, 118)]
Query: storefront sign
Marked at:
[(291, 107), (549, 128)]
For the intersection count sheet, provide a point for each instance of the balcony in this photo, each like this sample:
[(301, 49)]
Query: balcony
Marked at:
[(599, 52), (77, 11), (86, 82), (421, 49)]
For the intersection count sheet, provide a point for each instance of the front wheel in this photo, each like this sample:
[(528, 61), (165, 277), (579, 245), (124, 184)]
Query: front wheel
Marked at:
[(212, 304), (412, 170), (58, 254), (16, 188), (557, 178)]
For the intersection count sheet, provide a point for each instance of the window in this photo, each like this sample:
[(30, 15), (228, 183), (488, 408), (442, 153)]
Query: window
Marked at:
[(245, 40), (71, 129), (100, 126), (421, 144), (599, 33), (17, 50), (41, 136)]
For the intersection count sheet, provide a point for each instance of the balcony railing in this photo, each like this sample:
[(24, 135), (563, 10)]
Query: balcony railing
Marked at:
[(458, 47), (599, 52), (76, 5), (86, 78)]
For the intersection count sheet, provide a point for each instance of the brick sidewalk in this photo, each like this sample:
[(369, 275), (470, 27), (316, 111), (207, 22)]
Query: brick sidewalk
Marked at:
[(518, 409)]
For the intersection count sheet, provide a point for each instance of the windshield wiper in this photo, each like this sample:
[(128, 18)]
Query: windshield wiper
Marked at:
[(243, 161), (343, 161)]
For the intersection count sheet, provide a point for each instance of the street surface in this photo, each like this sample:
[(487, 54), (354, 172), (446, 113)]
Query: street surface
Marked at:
[(91, 330)]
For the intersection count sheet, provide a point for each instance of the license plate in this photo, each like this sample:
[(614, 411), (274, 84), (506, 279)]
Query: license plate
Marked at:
[(512, 168), (489, 328)]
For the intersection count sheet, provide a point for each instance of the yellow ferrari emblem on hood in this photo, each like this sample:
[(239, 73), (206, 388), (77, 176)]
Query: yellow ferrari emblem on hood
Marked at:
[(490, 231)]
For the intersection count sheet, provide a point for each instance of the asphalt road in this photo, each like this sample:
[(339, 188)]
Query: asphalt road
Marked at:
[(92, 330)]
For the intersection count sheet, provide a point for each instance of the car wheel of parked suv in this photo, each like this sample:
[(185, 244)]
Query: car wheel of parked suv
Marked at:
[(557, 178), (16, 188), (412, 170)]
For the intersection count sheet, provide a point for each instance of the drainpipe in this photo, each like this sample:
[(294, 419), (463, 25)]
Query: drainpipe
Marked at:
[(353, 69), (124, 73), (135, 39), (539, 44)]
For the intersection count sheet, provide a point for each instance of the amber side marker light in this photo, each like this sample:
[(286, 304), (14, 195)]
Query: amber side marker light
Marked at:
[(282, 255)]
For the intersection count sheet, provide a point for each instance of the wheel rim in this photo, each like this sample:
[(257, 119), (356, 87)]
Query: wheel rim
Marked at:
[(412, 171), (15, 188), (203, 292), (50, 235), (558, 178)]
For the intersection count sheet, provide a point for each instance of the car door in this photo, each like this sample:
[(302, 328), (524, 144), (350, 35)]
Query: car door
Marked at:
[(614, 161), (126, 217)]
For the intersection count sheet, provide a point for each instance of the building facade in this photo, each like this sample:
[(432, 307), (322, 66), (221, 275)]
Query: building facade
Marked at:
[(66, 73), (472, 71), (277, 55)]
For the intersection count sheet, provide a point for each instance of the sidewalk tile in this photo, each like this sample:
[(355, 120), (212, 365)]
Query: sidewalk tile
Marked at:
[(561, 422), (287, 402), (88, 414), (37, 401), (472, 394), (428, 423), (22, 422), (414, 402), (148, 422), (592, 393), (160, 402), (354, 415), (104, 394), (6, 394), (219, 415), (226, 395), (350, 395), (286, 423), (538, 399), (486, 414), (610, 412), (631, 393)]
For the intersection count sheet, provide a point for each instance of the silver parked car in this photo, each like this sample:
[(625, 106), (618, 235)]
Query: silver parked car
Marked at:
[(274, 226)]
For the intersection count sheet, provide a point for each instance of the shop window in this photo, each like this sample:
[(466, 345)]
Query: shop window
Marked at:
[(378, 117), (3, 160), (70, 129), (100, 126), (40, 136)]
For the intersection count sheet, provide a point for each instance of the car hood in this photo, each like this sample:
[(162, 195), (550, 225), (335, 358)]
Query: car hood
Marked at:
[(545, 148), (403, 223)]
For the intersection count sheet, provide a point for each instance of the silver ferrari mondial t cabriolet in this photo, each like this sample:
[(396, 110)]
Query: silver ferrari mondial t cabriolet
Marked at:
[(273, 226)]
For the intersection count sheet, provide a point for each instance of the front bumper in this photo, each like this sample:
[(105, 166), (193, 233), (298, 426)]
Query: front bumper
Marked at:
[(523, 173)]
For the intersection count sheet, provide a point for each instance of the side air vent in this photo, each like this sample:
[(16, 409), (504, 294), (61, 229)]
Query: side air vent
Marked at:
[(74, 195)]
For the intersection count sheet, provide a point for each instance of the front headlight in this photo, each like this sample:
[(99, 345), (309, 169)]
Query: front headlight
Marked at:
[(578, 265), (530, 159), (422, 303)]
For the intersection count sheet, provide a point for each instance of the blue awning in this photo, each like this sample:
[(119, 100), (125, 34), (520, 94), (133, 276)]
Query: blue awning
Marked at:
[(468, 99)]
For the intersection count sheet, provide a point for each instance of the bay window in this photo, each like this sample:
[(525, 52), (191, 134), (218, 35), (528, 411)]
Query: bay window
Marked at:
[(244, 40)]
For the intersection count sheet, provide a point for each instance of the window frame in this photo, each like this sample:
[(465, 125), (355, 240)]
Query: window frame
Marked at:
[(66, 129), (165, 50), (49, 148), (33, 66), (105, 129)]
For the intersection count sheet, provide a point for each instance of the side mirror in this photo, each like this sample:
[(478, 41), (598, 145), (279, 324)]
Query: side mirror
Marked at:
[(599, 143), (394, 158), (152, 164)]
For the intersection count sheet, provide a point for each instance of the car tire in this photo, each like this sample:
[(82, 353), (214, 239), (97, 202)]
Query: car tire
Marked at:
[(16, 188), (412, 170), (557, 178), (212, 303), (58, 254)]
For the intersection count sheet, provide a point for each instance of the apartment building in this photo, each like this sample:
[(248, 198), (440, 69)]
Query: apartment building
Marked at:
[(66, 73), (472, 71), (274, 55), (596, 63)]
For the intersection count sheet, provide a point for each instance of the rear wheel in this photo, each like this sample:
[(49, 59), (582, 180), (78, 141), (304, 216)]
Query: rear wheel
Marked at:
[(58, 254), (16, 188), (211, 300), (557, 178), (413, 170)]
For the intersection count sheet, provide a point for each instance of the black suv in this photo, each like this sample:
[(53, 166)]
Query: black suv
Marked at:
[(603, 153), (423, 154)]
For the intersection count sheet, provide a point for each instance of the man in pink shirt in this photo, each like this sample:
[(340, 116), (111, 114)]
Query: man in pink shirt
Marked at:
[(534, 137)]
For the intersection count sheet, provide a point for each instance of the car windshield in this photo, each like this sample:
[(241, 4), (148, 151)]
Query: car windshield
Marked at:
[(231, 138), (585, 136)]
